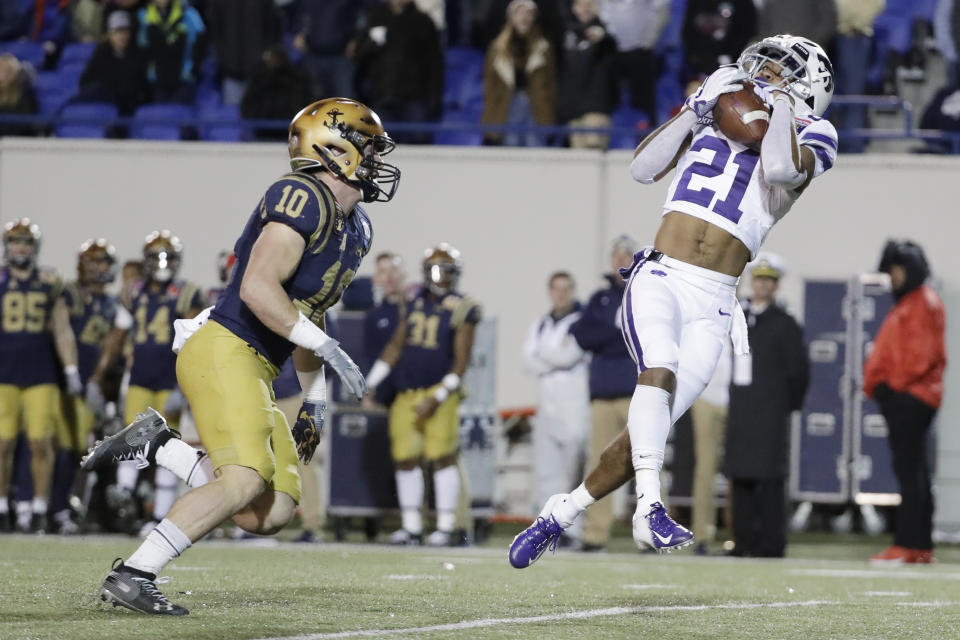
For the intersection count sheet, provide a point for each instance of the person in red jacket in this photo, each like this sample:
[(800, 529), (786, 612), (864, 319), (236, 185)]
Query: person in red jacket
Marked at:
[(904, 374)]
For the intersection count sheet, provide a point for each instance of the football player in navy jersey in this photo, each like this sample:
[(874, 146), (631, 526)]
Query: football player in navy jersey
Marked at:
[(34, 332), (680, 302), (300, 248), (145, 315), (92, 313), (428, 355)]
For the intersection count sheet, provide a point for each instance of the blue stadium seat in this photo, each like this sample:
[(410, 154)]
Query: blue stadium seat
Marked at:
[(466, 138), (76, 54), (160, 121), (463, 58), (54, 89), (224, 126), (90, 120), (208, 96), (25, 50)]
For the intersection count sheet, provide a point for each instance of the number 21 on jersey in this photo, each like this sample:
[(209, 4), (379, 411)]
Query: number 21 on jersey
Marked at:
[(729, 192)]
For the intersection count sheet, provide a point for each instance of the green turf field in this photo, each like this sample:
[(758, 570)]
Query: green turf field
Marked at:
[(48, 589)]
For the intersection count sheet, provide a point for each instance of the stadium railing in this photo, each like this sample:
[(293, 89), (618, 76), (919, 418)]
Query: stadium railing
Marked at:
[(194, 126)]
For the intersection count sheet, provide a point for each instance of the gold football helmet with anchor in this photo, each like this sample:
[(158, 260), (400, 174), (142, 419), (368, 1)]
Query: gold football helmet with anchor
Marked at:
[(96, 262), (21, 230), (161, 256), (347, 139), (442, 266)]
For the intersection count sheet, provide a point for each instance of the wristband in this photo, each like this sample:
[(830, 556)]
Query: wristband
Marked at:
[(451, 382), (441, 394), (70, 369), (378, 373), (313, 385), (307, 335)]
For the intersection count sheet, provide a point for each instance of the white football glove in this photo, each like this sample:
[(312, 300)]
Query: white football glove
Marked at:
[(349, 372), (74, 383), (768, 93), (726, 79), (94, 398)]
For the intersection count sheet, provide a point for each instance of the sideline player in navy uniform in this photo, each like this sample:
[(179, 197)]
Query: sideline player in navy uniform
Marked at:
[(300, 248), (429, 353), (92, 312), (34, 331), (145, 316)]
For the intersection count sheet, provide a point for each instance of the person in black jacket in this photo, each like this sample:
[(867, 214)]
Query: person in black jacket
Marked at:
[(400, 66), (587, 93), (612, 377), (240, 31), (116, 71), (273, 92), (768, 385)]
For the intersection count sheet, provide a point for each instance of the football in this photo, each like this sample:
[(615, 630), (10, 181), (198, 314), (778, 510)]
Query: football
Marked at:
[(742, 116)]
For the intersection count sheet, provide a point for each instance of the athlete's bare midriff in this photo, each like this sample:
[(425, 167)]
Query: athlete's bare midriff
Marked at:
[(695, 241)]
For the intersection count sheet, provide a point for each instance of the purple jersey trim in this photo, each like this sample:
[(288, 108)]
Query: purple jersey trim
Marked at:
[(819, 137), (824, 157)]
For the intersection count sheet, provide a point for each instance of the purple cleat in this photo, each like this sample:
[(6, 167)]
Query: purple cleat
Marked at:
[(658, 530), (530, 543)]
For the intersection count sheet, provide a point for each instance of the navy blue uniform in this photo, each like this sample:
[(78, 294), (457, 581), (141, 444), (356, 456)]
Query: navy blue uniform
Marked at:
[(335, 245), (91, 317), (613, 374), (154, 362), (431, 326), (27, 353)]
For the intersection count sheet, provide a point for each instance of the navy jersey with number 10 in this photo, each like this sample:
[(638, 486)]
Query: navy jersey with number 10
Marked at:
[(336, 242)]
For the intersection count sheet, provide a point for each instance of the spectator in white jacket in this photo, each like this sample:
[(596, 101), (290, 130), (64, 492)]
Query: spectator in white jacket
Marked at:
[(561, 430)]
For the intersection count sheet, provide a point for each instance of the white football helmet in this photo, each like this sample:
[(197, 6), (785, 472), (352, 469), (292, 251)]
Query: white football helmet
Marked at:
[(806, 72)]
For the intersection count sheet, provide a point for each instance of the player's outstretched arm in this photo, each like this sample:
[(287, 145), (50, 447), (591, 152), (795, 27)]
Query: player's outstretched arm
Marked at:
[(784, 161), (659, 152), (390, 355)]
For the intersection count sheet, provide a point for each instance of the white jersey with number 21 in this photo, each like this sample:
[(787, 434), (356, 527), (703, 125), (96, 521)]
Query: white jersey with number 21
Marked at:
[(721, 181)]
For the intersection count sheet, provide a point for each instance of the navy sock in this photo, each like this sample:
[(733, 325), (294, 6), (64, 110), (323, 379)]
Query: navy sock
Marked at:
[(64, 473)]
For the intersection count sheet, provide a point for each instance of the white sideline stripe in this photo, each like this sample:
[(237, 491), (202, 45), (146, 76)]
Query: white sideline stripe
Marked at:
[(871, 594), (573, 615), (936, 603), (406, 576)]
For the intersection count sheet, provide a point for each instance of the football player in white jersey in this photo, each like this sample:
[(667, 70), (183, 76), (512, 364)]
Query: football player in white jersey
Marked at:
[(680, 304)]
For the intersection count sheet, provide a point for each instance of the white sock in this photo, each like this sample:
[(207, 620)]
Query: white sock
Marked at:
[(446, 490), (39, 505), (410, 497), (648, 421), (127, 474), (567, 510), (4, 504), (165, 494), (24, 512), (163, 544), (187, 463)]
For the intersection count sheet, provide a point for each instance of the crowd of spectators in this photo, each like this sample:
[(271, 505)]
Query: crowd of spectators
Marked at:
[(585, 63)]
